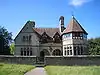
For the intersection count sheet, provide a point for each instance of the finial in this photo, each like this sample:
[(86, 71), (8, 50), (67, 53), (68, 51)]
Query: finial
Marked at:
[(72, 14)]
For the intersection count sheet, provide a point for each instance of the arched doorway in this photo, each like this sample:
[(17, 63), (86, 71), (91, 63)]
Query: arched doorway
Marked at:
[(57, 52), (41, 58), (42, 54)]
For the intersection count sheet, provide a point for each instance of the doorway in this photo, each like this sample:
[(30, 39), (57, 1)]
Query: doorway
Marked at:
[(41, 58)]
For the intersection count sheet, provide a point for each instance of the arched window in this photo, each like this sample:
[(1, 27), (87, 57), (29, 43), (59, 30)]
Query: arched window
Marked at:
[(46, 52), (30, 51), (57, 52), (21, 51)]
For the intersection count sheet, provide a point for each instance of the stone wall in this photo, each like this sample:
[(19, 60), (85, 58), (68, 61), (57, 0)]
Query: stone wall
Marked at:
[(18, 59), (51, 60), (73, 60)]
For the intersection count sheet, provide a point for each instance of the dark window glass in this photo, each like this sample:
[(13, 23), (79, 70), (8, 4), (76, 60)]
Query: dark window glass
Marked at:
[(30, 38), (24, 53), (74, 50), (70, 52), (30, 52), (27, 53), (67, 52), (67, 47), (70, 47), (21, 51)]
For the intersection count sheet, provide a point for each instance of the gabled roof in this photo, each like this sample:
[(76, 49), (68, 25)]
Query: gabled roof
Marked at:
[(49, 31), (74, 26)]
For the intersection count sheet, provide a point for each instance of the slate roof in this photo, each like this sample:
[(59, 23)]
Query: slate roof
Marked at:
[(74, 26), (49, 31)]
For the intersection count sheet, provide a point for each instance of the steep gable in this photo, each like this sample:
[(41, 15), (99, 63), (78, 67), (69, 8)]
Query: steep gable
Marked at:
[(28, 27)]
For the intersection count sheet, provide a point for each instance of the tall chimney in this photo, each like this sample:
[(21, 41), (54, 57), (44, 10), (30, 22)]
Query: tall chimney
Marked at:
[(61, 23)]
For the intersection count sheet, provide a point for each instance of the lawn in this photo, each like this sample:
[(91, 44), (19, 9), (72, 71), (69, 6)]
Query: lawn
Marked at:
[(14, 69), (73, 70)]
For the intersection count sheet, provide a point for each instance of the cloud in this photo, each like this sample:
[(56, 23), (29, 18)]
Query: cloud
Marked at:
[(78, 2)]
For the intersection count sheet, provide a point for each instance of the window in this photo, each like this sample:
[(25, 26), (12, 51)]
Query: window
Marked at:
[(24, 53), (57, 52), (30, 37), (67, 52), (67, 47), (27, 38), (70, 52), (75, 51), (30, 52), (64, 48), (21, 51), (57, 38)]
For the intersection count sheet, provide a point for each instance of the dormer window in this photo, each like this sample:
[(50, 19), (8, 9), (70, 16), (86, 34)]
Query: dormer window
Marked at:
[(56, 38), (44, 38)]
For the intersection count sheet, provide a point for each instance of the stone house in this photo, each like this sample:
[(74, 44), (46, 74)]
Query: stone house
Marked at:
[(62, 41)]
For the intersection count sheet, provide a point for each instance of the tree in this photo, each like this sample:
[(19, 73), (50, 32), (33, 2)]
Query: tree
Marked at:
[(94, 46), (5, 40), (12, 48)]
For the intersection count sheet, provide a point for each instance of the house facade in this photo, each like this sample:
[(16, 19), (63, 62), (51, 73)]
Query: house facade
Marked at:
[(62, 41)]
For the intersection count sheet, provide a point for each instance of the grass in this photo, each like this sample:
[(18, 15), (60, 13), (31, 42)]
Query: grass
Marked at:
[(14, 69), (73, 70)]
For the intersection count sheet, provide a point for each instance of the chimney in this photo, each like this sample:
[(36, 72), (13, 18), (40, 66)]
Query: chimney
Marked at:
[(61, 23)]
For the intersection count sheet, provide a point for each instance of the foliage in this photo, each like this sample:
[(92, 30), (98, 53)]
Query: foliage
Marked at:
[(94, 46), (5, 40), (14, 69), (12, 48), (73, 70)]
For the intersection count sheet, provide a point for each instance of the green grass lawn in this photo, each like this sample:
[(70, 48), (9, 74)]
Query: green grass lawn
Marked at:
[(73, 70), (14, 69)]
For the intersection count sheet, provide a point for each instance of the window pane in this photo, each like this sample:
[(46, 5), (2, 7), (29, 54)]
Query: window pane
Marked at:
[(67, 47), (74, 50), (67, 52), (24, 53), (27, 53), (70, 52), (30, 52), (21, 51)]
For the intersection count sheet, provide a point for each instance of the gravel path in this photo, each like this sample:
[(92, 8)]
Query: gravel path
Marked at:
[(37, 71)]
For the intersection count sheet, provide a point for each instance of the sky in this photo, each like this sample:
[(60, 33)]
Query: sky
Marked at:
[(15, 13)]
